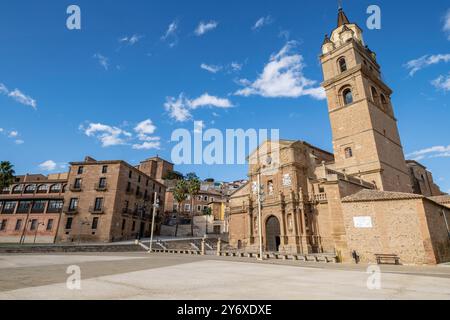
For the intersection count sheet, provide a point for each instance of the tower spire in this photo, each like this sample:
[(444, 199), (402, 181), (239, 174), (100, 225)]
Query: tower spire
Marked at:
[(342, 18)]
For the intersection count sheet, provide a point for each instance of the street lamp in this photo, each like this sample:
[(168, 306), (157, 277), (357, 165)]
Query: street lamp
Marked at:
[(155, 207), (261, 198), (37, 228)]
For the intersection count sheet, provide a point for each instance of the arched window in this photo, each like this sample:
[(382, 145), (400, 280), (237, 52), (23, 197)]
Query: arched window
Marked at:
[(30, 188), (348, 96), (375, 97), (18, 189), (43, 188), (56, 188), (348, 153), (342, 65)]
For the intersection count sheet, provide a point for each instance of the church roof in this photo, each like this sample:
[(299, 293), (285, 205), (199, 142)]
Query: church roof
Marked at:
[(376, 195), (445, 199), (342, 18)]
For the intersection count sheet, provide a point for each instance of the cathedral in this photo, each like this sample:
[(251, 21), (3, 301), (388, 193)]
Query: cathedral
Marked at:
[(363, 200)]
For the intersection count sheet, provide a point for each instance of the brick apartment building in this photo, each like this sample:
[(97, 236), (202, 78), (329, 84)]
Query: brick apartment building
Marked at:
[(96, 201)]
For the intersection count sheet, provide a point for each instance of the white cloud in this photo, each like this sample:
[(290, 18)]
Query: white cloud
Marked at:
[(447, 24), (180, 108), (131, 40), (48, 165), (171, 34), (114, 136), (102, 60), (19, 141), (13, 134), (18, 96), (235, 66), (432, 152), (282, 77), (205, 27), (3, 89), (107, 135), (427, 60), (442, 82), (263, 21), (210, 68), (147, 145)]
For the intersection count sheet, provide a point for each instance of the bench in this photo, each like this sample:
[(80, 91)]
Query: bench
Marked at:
[(387, 259)]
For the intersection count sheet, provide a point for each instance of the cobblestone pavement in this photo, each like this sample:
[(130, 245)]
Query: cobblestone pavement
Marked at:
[(143, 276)]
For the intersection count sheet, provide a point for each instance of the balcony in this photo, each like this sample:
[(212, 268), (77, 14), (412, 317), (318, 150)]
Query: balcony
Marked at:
[(38, 210), (23, 210), (54, 210), (75, 188), (94, 210), (71, 210), (101, 187), (129, 191), (8, 210)]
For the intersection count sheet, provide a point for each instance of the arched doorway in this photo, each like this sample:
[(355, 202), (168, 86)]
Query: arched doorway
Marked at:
[(273, 234)]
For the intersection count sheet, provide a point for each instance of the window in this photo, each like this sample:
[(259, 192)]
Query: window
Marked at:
[(348, 153), (342, 65), (187, 207), (73, 205), (34, 225), (130, 174), (124, 224), (139, 179), (56, 188), (50, 224), (38, 206), (9, 207), (348, 96), (23, 207), (129, 187), (69, 223), (375, 96), (134, 226), (18, 189), (3, 225), (102, 183), (43, 188), (199, 208), (18, 225), (105, 169), (95, 223), (30, 188), (77, 184), (205, 198), (80, 170), (98, 204), (6, 190), (55, 206)]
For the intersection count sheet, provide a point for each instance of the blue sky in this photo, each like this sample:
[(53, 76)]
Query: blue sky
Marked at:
[(137, 70)]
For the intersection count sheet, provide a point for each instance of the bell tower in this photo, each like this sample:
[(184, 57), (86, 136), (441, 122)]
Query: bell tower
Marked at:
[(366, 140)]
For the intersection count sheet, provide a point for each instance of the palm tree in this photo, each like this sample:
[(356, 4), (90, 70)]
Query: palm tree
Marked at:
[(193, 187), (180, 194), (6, 174)]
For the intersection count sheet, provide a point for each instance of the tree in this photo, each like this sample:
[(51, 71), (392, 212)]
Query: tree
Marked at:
[(6, 174), (193, 187), (173, 175), (180, 194)]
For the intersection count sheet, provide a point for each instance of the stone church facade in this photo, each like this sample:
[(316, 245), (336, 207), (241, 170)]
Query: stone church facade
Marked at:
[(364, 197)]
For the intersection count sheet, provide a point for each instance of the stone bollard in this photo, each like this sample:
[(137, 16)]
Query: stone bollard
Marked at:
[(203, 247), (219, 246)]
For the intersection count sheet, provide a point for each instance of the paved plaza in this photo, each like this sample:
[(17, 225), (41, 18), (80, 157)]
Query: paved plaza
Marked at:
[(143, 276)]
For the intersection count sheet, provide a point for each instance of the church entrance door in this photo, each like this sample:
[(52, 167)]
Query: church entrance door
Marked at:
[(273, 234)]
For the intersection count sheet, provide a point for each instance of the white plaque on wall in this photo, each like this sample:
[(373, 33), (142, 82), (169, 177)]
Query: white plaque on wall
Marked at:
[(363, 222)]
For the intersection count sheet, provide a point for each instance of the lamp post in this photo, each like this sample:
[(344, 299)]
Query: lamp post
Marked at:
[(36, 232), (260, 201), (155, 207)]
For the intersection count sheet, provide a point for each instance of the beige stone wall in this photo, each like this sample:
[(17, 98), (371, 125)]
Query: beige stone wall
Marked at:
[(439, 236), (399, 227)]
